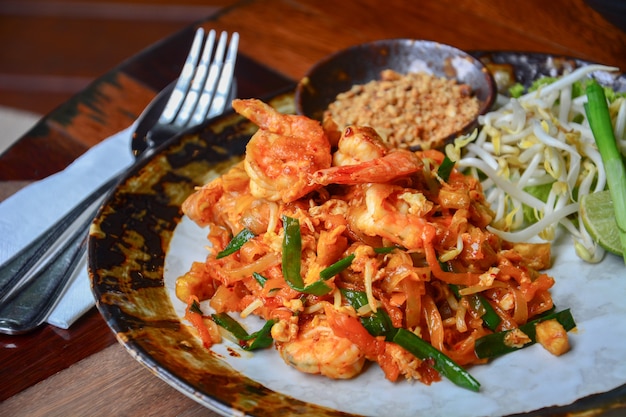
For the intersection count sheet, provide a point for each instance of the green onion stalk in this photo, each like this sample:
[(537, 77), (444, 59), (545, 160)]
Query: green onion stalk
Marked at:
[(599, 118), (236, 243), (255, 341), (292, 252), (494, 344), (379, 324)]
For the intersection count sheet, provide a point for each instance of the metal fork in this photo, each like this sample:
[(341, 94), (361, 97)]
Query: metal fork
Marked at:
[(34, 279), (200, 92)]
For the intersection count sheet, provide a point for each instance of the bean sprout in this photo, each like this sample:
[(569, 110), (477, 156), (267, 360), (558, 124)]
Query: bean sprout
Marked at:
[(540, 140)]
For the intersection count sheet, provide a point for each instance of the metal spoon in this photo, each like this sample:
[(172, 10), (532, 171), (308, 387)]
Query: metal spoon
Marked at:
[(21, 306)]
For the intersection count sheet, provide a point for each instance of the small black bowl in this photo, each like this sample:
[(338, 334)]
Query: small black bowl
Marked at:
[(363, 63)]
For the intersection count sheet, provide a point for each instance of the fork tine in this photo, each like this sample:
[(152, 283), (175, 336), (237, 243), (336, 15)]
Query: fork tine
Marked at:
[(211, 81), (182, 85), (197, 83), (220, 77), (226, 79)]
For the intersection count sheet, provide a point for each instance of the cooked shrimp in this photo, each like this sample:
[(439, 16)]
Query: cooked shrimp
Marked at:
[(317, 350), (362, 157), (358, 144), (392, 212), (199, 205), (221, 201), (283, 153)]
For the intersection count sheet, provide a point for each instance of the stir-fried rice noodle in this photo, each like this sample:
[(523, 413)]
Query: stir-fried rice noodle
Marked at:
[(541, 139), (419, 247)]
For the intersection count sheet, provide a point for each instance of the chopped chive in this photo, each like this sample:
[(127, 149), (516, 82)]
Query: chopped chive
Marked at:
[(343, 263), (257, 340), (195, 308), (379, 324), (385, 249), (262, 338), (494, 344), (227, 322), (260, 279), (442, 363), (490, 317), (318, 288), (445, 169), (292, 252), (236, 243), (481, 306), (332, 270)]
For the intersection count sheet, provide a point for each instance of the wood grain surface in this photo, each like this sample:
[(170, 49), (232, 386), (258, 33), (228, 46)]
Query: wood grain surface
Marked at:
[(52, 49), (92, 66), (141, 394), (313, 29)]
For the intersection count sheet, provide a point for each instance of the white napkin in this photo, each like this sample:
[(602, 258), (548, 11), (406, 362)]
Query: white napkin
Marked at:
[(30, 211), (14, 123)]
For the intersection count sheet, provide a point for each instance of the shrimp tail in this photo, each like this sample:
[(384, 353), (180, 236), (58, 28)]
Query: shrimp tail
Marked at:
[(395, 164), (258, 112), (268, 118)]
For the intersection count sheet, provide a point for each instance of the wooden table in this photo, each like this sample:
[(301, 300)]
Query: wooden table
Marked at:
[(83, 371)]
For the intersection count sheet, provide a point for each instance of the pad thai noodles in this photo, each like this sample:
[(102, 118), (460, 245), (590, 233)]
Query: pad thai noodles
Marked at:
[(354, 253)]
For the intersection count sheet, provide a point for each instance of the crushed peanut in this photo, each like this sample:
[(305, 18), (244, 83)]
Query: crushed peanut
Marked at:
[(412, 110)]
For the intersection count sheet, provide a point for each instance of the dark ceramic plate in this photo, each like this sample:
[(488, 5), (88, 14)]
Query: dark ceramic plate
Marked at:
[(139, 243)]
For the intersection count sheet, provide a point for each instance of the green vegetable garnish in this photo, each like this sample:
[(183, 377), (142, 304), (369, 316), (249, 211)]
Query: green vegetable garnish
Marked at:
[(195, 308), (343, 263), (516, 90), (292, 251), (445, 168), (481, 306), (494, 344), (539, 82), (442, 363), (602, 128), (257, 340), (477, 302), (259, 278), (236, 243), (386, 249), (578, 88), (337, 267), (379, 324), (612, 95), (542, 192)]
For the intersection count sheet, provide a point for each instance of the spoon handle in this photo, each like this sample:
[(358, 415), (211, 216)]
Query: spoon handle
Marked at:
[(26, 309)]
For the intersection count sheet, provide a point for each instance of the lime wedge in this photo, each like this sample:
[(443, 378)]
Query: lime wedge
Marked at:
[(597, 214)]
